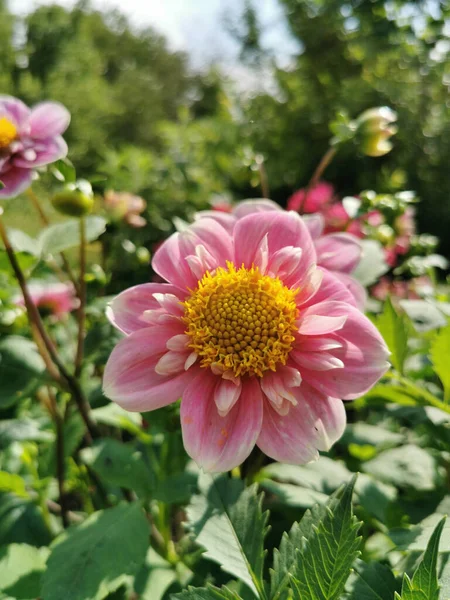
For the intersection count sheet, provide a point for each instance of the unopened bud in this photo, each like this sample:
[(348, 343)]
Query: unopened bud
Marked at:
[(374, 128), (73, 203)]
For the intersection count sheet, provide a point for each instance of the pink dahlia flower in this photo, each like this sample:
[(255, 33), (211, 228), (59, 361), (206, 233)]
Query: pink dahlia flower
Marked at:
[(29, 138), (54, 299), (260, 344), (313, 200), (339, 252)]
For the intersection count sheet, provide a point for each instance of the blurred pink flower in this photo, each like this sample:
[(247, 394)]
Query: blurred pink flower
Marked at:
[(123, 206), (29, 138), (313, 200), (413, 289), (260, 343), (339, 253), (52, 298)]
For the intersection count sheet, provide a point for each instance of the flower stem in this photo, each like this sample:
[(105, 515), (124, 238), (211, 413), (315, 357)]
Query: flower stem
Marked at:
[(58, 419), (323, 164), (45, 345), (82, 296), (45, 220)]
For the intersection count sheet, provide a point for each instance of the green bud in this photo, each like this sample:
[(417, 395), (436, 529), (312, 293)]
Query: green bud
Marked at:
[(73, 203), (374, 128)]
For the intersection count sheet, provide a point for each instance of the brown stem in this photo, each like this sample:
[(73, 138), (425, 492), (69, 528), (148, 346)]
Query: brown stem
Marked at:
[(323, 164), (45, 220), (37, 326), (82, 296), (263, 180), (60, 462)]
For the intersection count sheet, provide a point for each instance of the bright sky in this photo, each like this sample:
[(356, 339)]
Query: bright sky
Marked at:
[(196, 26)]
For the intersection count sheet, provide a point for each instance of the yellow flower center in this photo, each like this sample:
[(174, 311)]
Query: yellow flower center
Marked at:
[(8, 132), (241, 321)]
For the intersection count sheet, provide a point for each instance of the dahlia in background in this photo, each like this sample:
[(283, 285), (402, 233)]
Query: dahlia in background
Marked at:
[(29, 138), (51, 298), (261, 344), (123, 206)]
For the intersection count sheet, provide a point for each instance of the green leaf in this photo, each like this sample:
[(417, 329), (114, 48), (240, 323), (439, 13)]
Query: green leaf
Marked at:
[(63, 170), (417, 537), (405, 467), (21, 522), (154, 578), (285, 558), (102, 552), (119, 464), (372, 264), (21, 242), (208, 593), (17, 430), (287, 494), (21, 567), (325, 560), (371, 581), (375, 435), (424, 583), (393, 327), (21, 367), (114, 415), (228, 522), (375, 496), (11, 482), (440, 353), (65, 235)]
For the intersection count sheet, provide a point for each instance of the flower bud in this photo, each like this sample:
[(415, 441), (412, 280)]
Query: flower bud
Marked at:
[(73, 202), (374, 128)]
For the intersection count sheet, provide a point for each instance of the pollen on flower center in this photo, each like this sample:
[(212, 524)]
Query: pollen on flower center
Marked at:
[(8, 132), (241, 321)]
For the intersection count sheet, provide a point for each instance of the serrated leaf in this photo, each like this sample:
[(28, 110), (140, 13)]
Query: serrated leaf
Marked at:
[(371, 581), (62, 236), (440, 353), (393, 327), (102, 552), (120, 465), (325, 560), (285, 558), (228, 522), (424, 583), (21, 567), (208, 593), (405, 467)]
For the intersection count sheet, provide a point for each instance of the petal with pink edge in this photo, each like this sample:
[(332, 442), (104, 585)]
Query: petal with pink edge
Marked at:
[(227, 220), (363, 352), (43, 153), (315, 423), (16, 110), (16, 181), (315, 225), (338, 252), (331, 288), (130, 378), (218, 443), (248, 207), (125, 310), (282, 229), (48, 119), (357, 290)]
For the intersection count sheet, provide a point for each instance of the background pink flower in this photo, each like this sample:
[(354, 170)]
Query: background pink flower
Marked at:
[(261, 344), (52, 298), (313, 200), (29, 138)]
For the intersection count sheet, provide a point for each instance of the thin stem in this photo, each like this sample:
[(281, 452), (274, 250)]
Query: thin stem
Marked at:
[(60, 458), (82, 296), (263, 180), (45, 220), (323, 164), (38, 329)]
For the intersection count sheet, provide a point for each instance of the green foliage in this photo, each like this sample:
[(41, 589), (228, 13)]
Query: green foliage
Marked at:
[(440, 352), (65, 235), (21, 567), (325, 560), (103, 551), (371, 581), (228, 522), (394, 329), (21, 368), (424, 583)]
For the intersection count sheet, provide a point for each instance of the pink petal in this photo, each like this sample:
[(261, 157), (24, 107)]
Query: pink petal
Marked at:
[(248, 207), (225, 219), (130, 378), (15, 109), (226, 394), (331, 288), (282, 229), (357, 291), (315, 423), (315, 320), (316, 361), (48, 119), (338, 252), (171, 363), (125, 310), (49, 151), (363, 352), (278, 386), (16, 181), (219, 443), (315, 225)]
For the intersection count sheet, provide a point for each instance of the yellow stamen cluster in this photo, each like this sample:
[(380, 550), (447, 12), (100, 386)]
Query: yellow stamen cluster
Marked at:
[(8, 132), (241, 321)]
